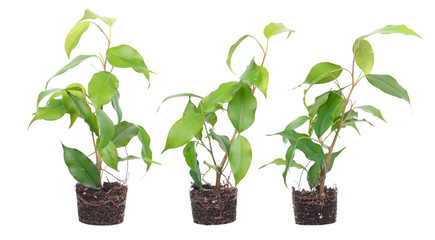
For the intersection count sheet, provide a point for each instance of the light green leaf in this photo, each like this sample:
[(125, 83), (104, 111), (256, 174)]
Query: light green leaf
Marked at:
[(81, 167), (73, 63), (107, 129), (183, 130), (53, 111), (262, 80), (319, 101), (296, 123), (276, 28), (124, 132), (90, 15), (178, 95), (146, 152), (74, 36), (190, 109), (290, 154), (109, 154), (223, 94), (45, 93), (86, 113), (389, 85), (374, 111), (211, 166), (211, 118), (102, 88), (241, 109), (232, 49), (389, 29), (364, 57), (280, 162), (189, 153), (251, 73), (325, 114), (240, 157), (125, 56), (224, 141), (323, 72), (116, 106), (77, 90)]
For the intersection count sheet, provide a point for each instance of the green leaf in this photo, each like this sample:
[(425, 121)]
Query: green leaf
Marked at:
[(278, 162), (45, 93), (290, 154), (323, 72), (364, 57), (86, 113), (190, 154), (262, 80), (240, 157), (325, 114), (251, 73), (77, 90), (90, 15), (109, 154), (183, 130), (196, 175), (81, 167), (211, 166), (241, 109), (223, 94), (74, 36), (53, 111), (190, 108), (211, 118), (312, 150), (102, 88), (389, 29), (73, 63), (146, 152), (296, 123), (276, 28), (313, 175), (125, 56), (232, 49), (224, 141), (374, 111), (107, 129), (319, 101), (116, 106), (124, 132), (389, 85), (178, 95)]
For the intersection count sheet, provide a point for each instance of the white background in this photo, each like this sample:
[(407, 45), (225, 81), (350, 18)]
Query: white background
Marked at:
[(384, 177)]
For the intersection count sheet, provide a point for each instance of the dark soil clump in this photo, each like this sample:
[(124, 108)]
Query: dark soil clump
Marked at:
[(313, 209), (104, 206), (212, 207)]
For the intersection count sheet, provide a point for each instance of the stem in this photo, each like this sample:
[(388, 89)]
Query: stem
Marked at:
[(98, 158), (209, 142)]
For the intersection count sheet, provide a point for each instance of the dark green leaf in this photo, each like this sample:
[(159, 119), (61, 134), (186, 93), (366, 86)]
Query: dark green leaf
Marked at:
[(364, 57), (90, 15), (125, 56), (276, 28), (81, 167), (196, 175), (107, 129), (86, 113), (53, 111), (290, 154), (183, 130), (224, 141), (109, 154), (323, 72), (313, 175), (124, 132), (241, 109), (223, 94), (102, 88), (389, 85), (73, 63), (312, 150), (374, 111), (77, 90), (232, 49), (211, 118), (325, 113), (240, 157), (319, 101), (74, 36), (146, 152), (189, 153), (116, 106)]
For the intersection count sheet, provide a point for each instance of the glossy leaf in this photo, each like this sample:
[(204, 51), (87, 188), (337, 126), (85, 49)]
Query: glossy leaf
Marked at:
[(45, 93), (276, 28), (183, 130), (312, 150), (232, 49), (102, 88), (146, 152), (74, 36), (125, 56), (107, 129), (178, 95), (364, 57), (73, 63), (109, 154), (325, 114), (372, 110), (223, 94), (389, 29), (211, 118), (196, 175), (319, 101), (189, 154), (77, 90), (124, 132), (251, 73), (323, 72), (116, 106), (53, 111), (90, 15), (241, 109), (290, 154), (389, 85), (262, 80), (86, 113), (296, 123), (313, 175), (224, 141), (240, 157), (81, 167)]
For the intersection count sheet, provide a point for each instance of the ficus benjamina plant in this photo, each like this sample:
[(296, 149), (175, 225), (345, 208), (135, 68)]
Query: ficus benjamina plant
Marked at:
[(334, 110), (87, 104), (196, 128)]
